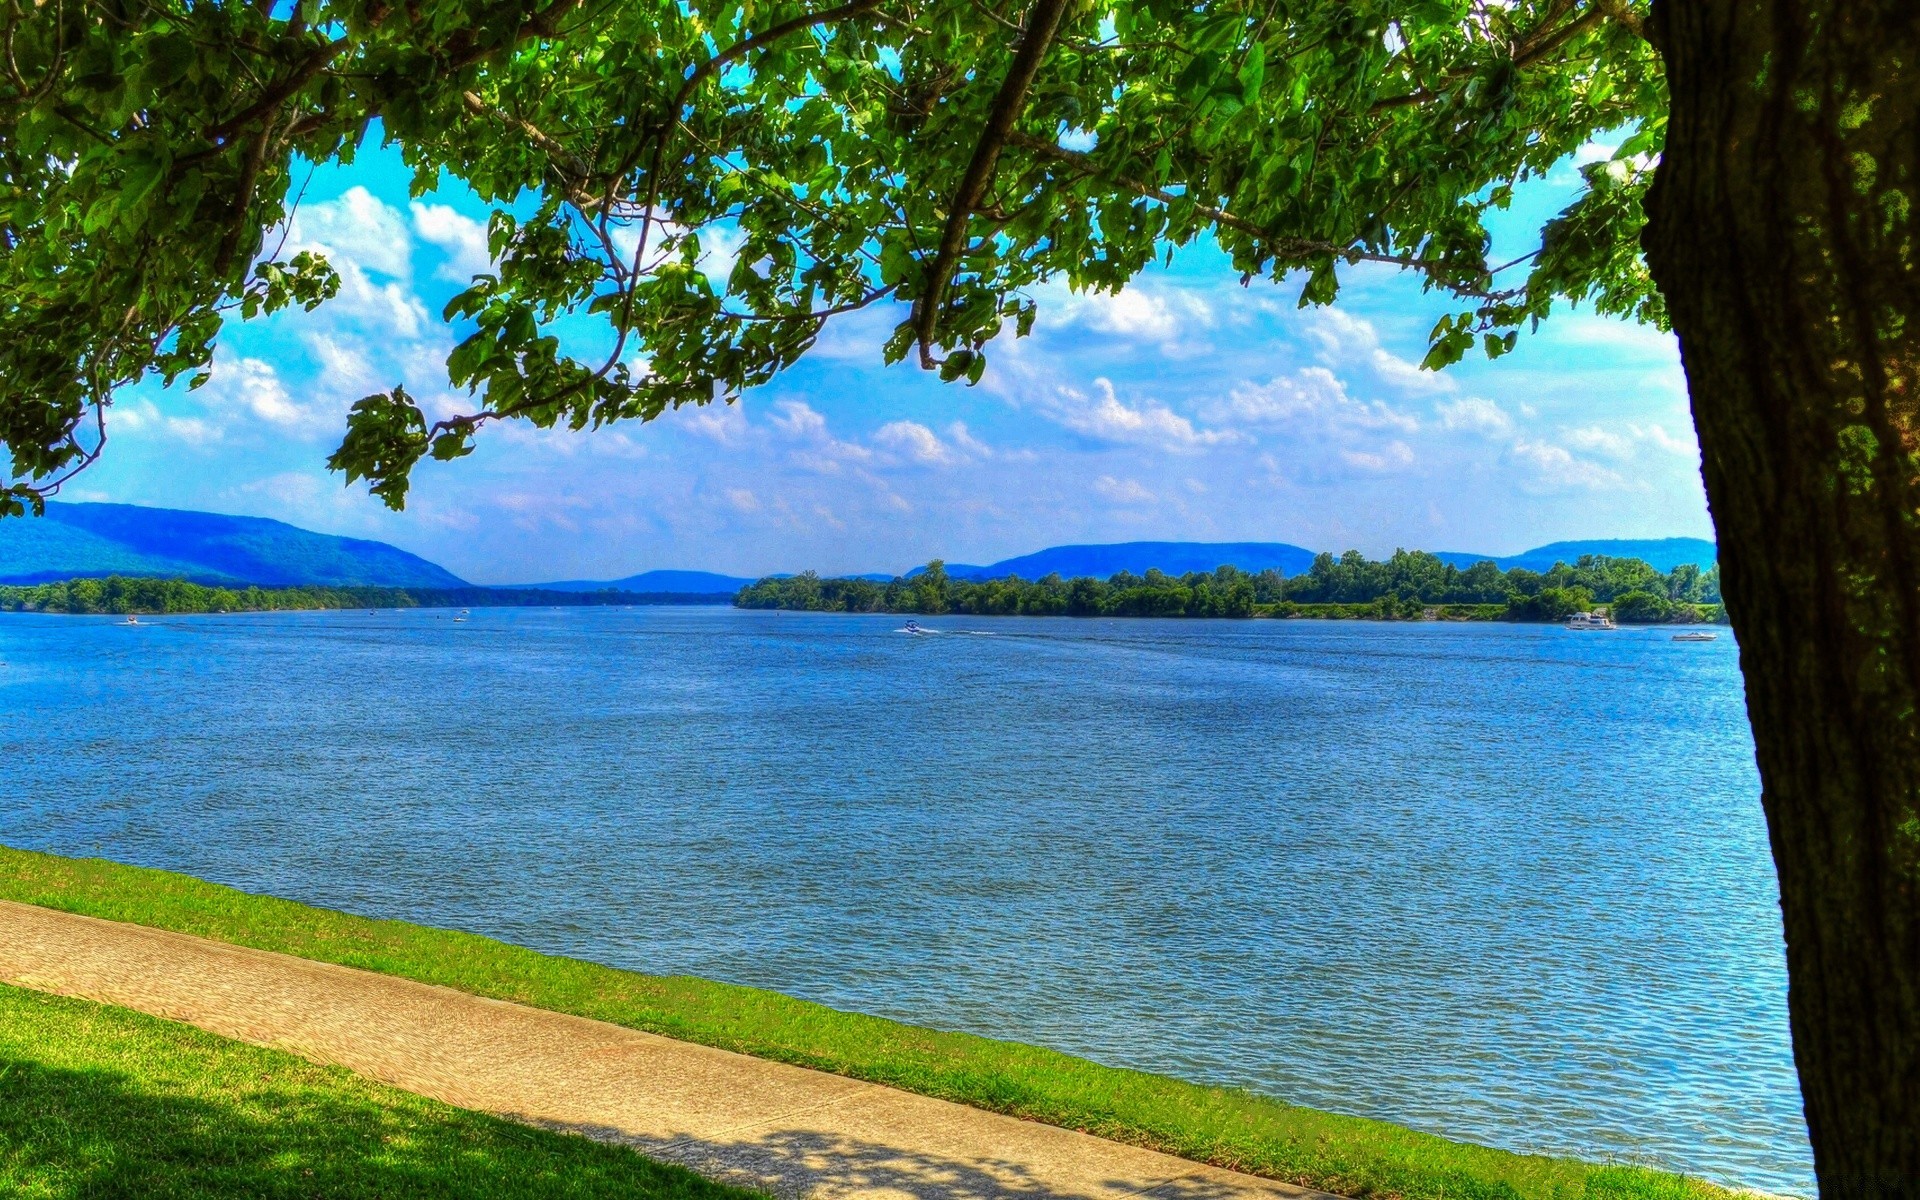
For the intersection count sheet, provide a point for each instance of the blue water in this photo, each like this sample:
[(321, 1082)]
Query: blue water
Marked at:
[(1505, 883)]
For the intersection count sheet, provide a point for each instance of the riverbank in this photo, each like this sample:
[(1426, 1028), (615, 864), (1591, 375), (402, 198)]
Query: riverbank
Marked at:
[(1406, 587), (1220, 1126), (121, 596)]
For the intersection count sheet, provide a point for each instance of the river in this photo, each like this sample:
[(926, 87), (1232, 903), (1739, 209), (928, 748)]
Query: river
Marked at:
[(1505, 883)]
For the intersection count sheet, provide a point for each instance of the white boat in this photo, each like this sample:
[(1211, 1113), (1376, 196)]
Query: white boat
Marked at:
[(1695, 635), (1597, 619), (132, 619), (913, 628)]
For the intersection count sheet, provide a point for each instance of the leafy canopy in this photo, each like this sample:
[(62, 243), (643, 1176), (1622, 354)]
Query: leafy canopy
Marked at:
[(943, 155)]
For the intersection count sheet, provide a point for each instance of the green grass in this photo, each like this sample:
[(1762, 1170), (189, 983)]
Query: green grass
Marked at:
[(98, 1101), (1224, 1126)]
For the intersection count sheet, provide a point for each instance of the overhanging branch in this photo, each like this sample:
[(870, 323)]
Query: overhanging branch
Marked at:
[(1042, 22)]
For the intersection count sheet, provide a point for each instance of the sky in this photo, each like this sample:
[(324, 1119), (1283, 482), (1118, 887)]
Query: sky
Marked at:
[(1188, 407)]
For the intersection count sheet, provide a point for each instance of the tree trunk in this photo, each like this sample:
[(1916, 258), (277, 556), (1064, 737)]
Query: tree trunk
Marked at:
[(1784, 231)]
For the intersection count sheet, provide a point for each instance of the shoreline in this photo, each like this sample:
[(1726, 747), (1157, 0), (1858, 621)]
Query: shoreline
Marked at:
[(1218, 1126)]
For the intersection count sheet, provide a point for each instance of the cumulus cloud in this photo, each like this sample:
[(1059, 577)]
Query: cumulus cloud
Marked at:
[(1390, 457), (256, 386), (719, 422), (1553, 468), (818, 449), (796, 418), (1471, 414), (916, 443), (1346, 340), (1123, 491), (360, 226), (460, 237), (1141, 314), (1312, 399), (1103, 416), (361, 237), (144, 418), (1626, 442)]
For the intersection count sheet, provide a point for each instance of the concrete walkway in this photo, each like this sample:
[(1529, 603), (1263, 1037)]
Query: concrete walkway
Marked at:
[(778, 1128)]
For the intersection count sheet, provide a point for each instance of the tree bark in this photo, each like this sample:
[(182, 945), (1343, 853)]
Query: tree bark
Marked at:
[(1784, 226)]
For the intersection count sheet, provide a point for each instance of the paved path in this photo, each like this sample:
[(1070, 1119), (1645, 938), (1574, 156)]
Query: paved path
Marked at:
[(783, 1129)]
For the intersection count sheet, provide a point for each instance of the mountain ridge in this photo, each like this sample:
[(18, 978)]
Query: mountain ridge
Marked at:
[(645, 581), (79, 540), (75, 541)]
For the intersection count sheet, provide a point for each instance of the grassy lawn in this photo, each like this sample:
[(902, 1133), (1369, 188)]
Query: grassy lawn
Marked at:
[(1228, 1127), (101, 1102)]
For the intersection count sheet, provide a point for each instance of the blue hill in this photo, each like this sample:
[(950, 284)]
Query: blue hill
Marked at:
[(1663, 554), (91, 540), (1175, 558), (650, 581)]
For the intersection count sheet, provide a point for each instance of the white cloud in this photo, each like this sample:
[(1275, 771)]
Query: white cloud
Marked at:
[(1471, 414), (743, 499), (1390, 457), (1103, 416), (1554, 468), (819, 450), (958, 434), (796, 418), (1141, 314), (916, 443), (1625, 443), (1614, 333), (718, 422), (344, 362), (1312, 398), (361, 236), (1593, 152), (358, 226), (1346, 340), (1123, 491), (256, 386), (463, 239)]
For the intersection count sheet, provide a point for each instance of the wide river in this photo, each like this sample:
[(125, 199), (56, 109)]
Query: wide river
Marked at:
[(1506, 883)]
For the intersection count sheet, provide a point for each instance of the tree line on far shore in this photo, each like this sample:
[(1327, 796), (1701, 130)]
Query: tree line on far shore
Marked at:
[(1410, 585), (119, 595)]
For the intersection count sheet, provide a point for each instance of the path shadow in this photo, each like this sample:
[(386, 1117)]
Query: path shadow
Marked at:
[(796, 1163)]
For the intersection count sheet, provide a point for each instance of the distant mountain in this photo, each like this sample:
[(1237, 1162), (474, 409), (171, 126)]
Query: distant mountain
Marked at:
[(1175, 558), (650, 581), (91, 540), (1663, 554)]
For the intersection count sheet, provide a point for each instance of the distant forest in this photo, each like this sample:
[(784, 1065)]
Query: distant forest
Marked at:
[(1408, 586), (116, 594)]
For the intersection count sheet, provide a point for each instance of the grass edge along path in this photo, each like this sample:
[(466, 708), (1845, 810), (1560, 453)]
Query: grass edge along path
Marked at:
[(1225, 1127), (98, 1100)]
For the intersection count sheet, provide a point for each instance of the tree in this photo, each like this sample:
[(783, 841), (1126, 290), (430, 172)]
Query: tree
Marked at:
[(930, 588), (1795, 140), (945, 155)]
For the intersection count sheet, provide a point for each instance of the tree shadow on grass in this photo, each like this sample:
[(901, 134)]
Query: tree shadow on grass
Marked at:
[(99, 1133)]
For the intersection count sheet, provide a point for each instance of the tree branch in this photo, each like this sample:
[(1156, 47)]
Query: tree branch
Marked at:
[(1042, 22), (765, 37)]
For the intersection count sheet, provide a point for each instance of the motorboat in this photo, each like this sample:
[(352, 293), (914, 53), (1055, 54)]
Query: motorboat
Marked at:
[(1695, 635), (913, 628), (1597, 619)]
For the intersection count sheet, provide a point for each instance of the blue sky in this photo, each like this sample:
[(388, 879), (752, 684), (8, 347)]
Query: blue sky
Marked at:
[(1188, 407)]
